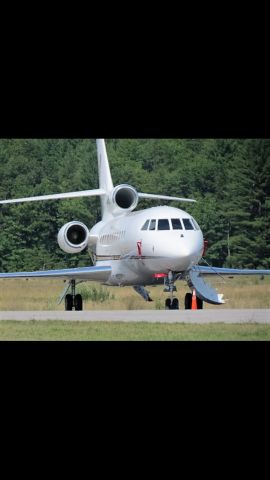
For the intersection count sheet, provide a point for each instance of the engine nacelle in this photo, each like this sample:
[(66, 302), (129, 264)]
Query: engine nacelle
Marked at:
[(123, 198), (73, 237)]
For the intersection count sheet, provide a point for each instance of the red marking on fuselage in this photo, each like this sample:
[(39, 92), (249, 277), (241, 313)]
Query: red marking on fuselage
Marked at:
[(139, 247)]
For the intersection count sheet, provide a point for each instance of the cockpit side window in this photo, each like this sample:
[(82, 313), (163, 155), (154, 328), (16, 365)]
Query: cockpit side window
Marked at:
[(163, 224), (145, 226), (195, 224), (176, 224), (187, 224), (152, 225)]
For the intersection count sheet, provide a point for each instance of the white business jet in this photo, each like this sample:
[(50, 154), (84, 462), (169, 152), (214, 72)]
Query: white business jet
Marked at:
[(136, 248)]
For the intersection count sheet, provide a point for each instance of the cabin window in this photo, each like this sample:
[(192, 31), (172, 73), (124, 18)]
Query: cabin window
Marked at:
[(145, 226), (163, 224), (176, 224), (187, 224), (152, 225)]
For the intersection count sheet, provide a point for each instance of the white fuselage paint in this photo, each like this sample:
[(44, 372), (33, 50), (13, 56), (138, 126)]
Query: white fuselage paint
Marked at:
[(136, 255)]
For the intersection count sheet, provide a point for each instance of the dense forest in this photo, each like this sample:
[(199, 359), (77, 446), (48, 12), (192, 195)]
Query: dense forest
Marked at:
[(230, 179)]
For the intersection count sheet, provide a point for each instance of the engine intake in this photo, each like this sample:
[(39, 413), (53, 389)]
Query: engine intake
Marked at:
[(124, 197), (73, 237)]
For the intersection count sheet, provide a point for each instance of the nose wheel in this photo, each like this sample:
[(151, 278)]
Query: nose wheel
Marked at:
[(171, 303)]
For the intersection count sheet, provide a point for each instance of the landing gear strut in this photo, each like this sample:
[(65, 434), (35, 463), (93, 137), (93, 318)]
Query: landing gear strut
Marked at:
[(171, 303), (73, 301)]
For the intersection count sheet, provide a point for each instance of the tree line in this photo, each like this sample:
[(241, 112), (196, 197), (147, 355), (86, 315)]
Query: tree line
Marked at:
[(229, 178)]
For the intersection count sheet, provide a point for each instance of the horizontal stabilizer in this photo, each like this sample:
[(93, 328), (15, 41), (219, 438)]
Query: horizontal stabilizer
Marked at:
[(57, 196), (164, 197), (96, 274)]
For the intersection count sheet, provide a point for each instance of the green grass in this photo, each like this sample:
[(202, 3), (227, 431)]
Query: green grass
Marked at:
[(61, 330), (18, 294), (42, 294)]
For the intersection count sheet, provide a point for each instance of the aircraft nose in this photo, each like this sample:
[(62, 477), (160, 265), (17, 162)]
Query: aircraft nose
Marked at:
[(186, 257), (190, 253)]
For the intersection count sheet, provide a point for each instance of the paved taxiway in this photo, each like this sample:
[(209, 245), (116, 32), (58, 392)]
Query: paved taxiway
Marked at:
[(149, 316)]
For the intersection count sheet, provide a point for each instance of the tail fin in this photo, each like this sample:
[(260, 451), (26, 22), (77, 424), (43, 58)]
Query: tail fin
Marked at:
[(104, 173)]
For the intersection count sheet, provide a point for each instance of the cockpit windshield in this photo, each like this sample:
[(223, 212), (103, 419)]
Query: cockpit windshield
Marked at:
[(163, 224), (176, 224), (145, 226), (170, 224), (187, 224), (152, 225)]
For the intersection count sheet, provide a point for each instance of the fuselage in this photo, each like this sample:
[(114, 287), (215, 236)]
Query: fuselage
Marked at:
[(139, 245)]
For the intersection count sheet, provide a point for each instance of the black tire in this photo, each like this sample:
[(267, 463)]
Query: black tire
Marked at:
[(68, 302), (175, 304), (168, 304), (199, 304), (78, 303), (188, 301)]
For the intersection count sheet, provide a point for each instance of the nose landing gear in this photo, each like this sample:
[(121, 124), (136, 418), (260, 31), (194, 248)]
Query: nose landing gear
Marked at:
[(171, 303)]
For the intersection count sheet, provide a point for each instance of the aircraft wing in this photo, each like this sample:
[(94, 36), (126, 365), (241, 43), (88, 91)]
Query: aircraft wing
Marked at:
[(205, 290), (57, 196), (98, 274), (228, 271)]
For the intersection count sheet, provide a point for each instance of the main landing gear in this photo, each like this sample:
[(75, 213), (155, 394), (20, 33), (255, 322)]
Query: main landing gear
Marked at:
[(73, 301)]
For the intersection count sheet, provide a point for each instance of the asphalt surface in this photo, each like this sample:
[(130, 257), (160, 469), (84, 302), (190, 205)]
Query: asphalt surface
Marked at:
[(149, 316)]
